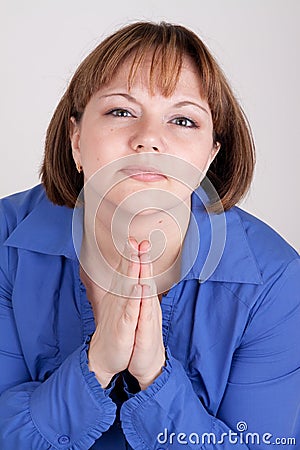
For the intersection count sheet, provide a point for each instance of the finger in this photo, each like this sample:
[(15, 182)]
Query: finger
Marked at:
[(146, 269), (130, 254), (146, 273), (145, 246), (132, 267), (149, 300), (128, 270), (146, 311), (133, 242), (146, 320), (132, 306)]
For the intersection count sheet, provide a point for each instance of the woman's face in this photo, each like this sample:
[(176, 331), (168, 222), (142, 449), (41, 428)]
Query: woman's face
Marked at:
[(160, 131)]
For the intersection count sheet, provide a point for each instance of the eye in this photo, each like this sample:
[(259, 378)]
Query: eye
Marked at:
[(119, 112), (184, 122)]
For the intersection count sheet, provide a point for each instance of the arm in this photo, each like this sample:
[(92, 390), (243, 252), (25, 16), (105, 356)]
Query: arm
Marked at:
[(262, 390), (68, 410)]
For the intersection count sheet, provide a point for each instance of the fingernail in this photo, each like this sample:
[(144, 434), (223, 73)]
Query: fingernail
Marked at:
[(148, 246)]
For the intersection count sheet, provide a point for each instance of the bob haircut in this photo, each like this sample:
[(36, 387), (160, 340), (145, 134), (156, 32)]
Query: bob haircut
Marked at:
[(231, 171)]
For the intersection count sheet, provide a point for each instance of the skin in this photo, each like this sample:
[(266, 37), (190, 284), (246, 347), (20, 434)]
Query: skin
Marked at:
[(117, 123)]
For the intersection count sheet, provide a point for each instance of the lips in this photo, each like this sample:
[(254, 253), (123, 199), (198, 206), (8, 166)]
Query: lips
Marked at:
[(143, 173)]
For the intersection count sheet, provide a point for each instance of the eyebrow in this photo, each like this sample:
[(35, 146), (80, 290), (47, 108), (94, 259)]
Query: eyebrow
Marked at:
[(188, 102), (122, 94), (177, 105)]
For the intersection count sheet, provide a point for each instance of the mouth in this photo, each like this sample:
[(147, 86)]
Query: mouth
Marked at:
[(141, 173)]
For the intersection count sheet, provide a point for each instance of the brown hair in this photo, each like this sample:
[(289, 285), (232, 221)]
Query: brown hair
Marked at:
[(232, 170)]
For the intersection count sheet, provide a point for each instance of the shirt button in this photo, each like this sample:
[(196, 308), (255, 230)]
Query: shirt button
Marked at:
[(63, 439)]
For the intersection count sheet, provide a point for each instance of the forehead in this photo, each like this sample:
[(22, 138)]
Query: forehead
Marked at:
[(155, 76)]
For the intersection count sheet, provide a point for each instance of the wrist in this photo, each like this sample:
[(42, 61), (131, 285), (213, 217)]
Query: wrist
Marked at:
[(144, 382), (102, 376)]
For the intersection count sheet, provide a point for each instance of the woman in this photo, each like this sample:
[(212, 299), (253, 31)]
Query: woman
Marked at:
[(120, 327)]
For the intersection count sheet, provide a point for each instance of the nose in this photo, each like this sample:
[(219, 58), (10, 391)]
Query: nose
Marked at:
[(140, 148), (147, 138)]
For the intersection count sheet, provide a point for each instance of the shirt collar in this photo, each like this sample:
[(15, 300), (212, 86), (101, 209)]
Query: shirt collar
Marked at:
[(48, 229), (223, 253)]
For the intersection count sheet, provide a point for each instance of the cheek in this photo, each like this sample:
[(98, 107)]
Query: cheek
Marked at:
[(195, 146), (94, 150), (198, 156)]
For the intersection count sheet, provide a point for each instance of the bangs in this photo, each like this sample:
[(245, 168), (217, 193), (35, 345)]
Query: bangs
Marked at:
[(164, 46), (165, 66)]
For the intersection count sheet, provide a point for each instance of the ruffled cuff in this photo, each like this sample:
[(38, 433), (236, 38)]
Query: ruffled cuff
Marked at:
[(141, 398), (70, 409), (169, 403)]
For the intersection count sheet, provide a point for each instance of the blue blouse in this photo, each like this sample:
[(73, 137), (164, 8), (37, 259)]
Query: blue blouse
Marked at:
[(232, 377)]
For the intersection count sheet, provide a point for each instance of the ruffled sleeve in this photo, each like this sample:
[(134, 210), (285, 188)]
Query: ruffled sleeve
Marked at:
[(145, 415), (70, 410)]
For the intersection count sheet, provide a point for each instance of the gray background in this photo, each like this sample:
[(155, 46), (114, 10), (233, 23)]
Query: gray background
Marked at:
[(256, 42)]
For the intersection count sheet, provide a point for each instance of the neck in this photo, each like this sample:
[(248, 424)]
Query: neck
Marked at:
[(110, 227)]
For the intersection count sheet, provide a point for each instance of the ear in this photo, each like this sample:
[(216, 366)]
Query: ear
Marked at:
[(213, 154), (215, 151), (75, 141)]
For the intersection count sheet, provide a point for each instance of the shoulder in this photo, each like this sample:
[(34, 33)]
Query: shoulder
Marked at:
[(31, 222), (255, 259), (16, 207), (272, 328), (271, 251), (13, 210), (277, 262), (235, 248)]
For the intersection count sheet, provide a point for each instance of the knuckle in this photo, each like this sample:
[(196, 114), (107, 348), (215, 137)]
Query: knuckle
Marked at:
[(129, 317)]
